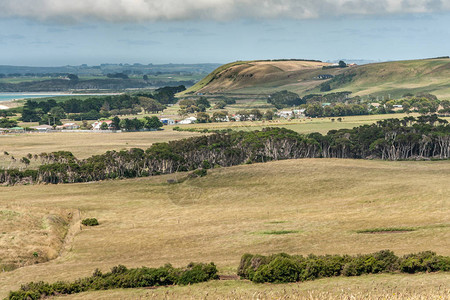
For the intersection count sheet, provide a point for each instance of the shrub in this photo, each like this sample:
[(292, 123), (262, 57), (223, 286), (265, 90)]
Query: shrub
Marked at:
[(424, 262), (120, 277), (90, 222), (279, 270), (199, 173), (285, 268)]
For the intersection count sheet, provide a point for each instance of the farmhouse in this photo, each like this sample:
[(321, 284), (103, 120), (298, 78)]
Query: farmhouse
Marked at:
[(189, 120), (98, 124), (68, 126)]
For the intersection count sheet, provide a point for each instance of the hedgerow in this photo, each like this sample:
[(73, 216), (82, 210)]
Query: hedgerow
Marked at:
[(120, 277), (280, 268)]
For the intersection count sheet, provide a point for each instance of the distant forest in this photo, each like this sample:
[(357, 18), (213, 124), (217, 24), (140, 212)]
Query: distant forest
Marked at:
[(425, 137)]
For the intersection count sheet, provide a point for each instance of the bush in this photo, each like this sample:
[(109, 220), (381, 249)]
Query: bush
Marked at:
[(90, 222), (199, 173), (285, 268), (424, 262), (280, 270), (120, 277)]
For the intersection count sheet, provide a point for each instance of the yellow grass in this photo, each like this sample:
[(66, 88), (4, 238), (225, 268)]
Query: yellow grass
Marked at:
[(219, 217), (31, 235), (82, 145), (387, 287)]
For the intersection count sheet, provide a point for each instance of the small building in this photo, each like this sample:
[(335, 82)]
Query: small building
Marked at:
[(167, 121), (189, 120), (97, 125), (42, 128), (285, 114), (71, 126)]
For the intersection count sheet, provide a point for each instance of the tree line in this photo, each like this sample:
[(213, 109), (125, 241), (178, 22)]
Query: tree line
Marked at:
[(93, 108), (392, 139)]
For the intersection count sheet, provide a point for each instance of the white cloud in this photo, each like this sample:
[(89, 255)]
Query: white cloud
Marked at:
[(150, 10)]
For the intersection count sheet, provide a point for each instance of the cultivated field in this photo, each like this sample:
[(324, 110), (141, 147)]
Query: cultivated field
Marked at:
[(232, 211)]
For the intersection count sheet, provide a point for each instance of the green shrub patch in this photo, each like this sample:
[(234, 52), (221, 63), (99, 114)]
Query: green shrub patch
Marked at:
[(281, 268), (279, 232), (120, 277), (90, 222), (387, 230)]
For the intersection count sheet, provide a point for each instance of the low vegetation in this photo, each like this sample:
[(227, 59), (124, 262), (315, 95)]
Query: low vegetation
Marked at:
[(90, 222), (282, 268), (387, 230), (120, 277)]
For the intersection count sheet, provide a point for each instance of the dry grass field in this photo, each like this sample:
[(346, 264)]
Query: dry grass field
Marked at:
[(386, 287), (31, 235), (324, 202), (82, 145)]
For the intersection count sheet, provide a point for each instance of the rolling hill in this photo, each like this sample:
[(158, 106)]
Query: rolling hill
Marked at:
[(377, 79)]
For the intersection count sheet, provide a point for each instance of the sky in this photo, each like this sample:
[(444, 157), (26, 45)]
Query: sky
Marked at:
[(61, 32)]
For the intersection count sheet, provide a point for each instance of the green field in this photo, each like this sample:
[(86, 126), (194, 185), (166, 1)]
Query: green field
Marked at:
[(322, 202), (305, 125)]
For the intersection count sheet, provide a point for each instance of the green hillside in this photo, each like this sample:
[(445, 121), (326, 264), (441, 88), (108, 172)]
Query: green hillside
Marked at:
[(379, 79), (396, 78)]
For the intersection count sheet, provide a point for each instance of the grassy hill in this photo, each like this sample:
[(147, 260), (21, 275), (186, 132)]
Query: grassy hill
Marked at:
[(247, 74), (379, 79), (321, 203)]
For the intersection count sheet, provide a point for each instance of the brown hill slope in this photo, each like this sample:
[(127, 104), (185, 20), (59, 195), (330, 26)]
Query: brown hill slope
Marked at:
[(378, 79)]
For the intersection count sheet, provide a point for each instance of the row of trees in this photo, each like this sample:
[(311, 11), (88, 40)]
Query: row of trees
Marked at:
[(336, 110), (393, 139), (133, 124)]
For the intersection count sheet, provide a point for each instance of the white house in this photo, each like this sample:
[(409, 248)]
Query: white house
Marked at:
[(68, 126), (98, 124), (189, 120), (285, 114)]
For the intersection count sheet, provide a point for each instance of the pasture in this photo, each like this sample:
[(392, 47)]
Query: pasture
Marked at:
[(83, 144), (322, 205), (305, 125)]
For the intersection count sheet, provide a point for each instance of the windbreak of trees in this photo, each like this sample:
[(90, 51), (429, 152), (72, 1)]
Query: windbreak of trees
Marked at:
[(392, 139), (336, 110)]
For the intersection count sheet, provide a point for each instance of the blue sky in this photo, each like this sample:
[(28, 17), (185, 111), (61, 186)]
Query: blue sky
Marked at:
[(45, 33)]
